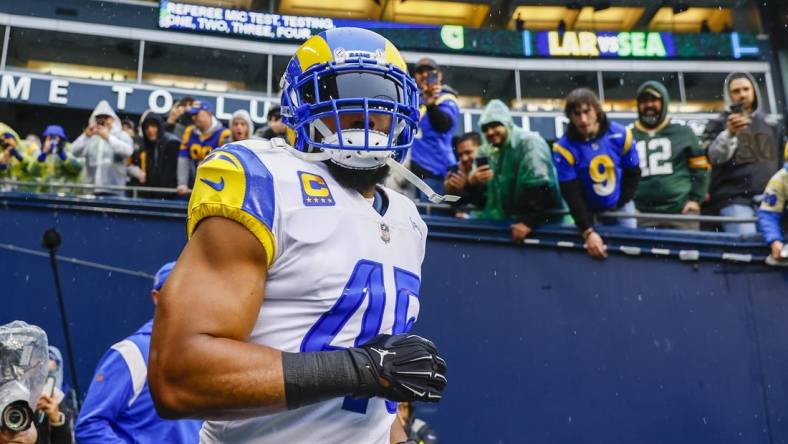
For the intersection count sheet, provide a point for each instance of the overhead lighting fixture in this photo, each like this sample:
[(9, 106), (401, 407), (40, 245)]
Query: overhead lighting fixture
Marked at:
[(679, 8)]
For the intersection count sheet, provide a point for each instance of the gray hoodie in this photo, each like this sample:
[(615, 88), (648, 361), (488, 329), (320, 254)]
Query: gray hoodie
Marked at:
[(105, 160), (742, 164)]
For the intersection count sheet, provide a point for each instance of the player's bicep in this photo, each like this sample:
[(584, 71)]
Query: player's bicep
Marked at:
[(216, 287)]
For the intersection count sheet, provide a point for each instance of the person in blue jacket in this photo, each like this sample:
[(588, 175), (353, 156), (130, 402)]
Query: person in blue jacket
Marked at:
[(770, 215), (432, 152), (598, 167), (118, 407)]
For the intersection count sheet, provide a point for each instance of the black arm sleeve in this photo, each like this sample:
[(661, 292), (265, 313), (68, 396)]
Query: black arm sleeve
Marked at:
[(629, 184), (533, 206), (316, 376), (438, 119), (573, 195)]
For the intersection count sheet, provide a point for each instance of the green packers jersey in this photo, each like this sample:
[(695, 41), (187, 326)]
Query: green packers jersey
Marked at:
[(673, 168)]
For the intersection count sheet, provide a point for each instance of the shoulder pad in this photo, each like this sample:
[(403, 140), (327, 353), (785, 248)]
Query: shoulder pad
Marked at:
[(232, 182)]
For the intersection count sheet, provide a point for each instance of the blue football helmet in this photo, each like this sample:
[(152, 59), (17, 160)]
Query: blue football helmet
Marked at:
[(350, 73)]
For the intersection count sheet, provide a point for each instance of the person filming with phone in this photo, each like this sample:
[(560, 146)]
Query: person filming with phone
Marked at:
[(468, 177), (523, 182), (431, 153), (744, 147)]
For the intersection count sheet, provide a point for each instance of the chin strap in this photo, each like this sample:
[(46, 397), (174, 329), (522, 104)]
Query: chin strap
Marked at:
[(309, 157), (418, 183), (393, 164)]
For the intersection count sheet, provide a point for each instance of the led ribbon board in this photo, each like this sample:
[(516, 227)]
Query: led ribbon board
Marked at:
[(605, 44), (457, 39), (238, 22)]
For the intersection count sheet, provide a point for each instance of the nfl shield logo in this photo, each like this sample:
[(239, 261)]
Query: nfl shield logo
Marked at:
[(385, 234)]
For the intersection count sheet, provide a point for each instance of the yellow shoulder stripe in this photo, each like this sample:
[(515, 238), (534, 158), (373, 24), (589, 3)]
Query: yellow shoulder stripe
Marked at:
[(220, 190), (187, 133), (202, 211), (627, 141), (446, 97), (565, 153)]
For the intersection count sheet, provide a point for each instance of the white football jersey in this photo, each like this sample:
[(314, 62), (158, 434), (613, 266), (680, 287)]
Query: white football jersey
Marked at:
[(339, 273)]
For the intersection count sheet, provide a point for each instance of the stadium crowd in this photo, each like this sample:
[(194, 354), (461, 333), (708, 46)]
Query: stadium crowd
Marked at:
[(598, 166)]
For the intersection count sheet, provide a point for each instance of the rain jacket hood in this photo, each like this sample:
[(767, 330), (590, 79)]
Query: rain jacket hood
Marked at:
[(57, 373), (103, 109), (663, 91), (497, 111), (7, 129)]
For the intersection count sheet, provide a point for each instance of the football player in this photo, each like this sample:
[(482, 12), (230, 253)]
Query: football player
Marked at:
[(673, 166), (286, 317)]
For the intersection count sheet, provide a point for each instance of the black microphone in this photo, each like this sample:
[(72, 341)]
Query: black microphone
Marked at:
[(51, 239)]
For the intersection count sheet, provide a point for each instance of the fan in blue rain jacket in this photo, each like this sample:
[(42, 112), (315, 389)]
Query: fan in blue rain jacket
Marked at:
[(118, 407)]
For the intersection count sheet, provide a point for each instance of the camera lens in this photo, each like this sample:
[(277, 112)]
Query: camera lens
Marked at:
[(17, 417)]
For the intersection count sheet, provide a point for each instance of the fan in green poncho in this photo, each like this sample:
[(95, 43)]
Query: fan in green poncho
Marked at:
[(54, 164), (524, 182), (14, 155)]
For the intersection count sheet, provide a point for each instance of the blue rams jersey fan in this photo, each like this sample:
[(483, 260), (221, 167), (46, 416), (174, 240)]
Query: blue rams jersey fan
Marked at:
[(340, 269), (598, 164)]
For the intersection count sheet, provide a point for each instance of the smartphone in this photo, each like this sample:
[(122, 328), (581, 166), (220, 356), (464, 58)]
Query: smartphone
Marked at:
[(49, 386), (737, 108), (482, 161), (432, 78), (454, 169)]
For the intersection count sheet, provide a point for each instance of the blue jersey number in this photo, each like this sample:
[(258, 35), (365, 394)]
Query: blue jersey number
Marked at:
[(366, 282)]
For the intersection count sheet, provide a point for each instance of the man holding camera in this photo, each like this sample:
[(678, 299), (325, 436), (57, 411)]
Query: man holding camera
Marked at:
[(177, 119), (105, 148), (743, 145), (14, 160), (432, 154)]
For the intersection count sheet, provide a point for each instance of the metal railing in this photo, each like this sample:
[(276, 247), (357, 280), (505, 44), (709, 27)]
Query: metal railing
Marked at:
[(428, 208), (97, 189)]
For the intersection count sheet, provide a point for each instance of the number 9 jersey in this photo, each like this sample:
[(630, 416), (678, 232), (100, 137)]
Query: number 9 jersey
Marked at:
[(339, 273), (598, 164)]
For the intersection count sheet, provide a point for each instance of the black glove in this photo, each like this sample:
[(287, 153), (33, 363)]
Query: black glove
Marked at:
[(400, 368)]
